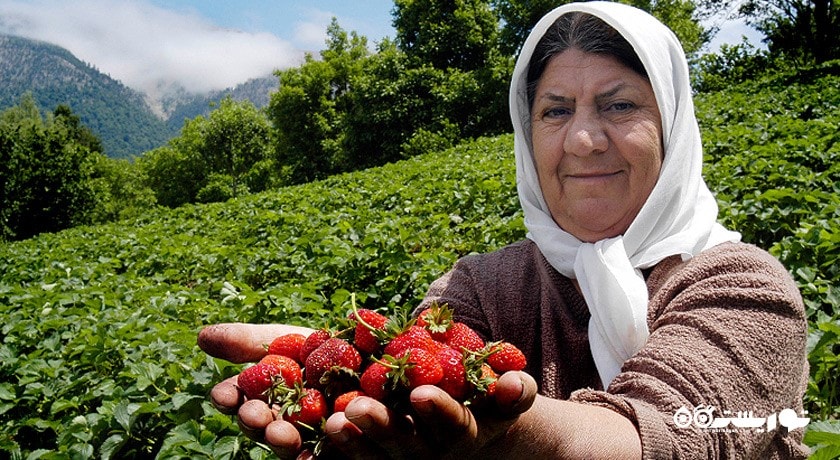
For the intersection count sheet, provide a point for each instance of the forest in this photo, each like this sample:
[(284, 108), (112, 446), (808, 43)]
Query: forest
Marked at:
[(108, 268)]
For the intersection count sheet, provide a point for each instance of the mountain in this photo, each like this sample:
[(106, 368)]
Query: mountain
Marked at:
[(117, 114), (127, 121), (182, 106)]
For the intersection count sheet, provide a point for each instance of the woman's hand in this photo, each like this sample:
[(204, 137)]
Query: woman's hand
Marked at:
[(440, 426), (241, 343)]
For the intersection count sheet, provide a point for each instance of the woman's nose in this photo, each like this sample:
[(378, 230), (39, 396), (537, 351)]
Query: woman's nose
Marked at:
[(585, 135)]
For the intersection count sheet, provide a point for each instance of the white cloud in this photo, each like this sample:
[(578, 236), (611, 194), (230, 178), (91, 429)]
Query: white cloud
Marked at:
[(148, 47), (311, 33)]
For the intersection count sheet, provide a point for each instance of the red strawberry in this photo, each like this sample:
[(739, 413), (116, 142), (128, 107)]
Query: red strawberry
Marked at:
[(344, 399), (255, 381), (461, 336), (420, 367), (506, 357), (309, 408), (287, 345), (313, 341), (414, 337), (487, 381), (376, 382), (437, 319), (285, 367), (330, 359), (365, 337), (454, 379)]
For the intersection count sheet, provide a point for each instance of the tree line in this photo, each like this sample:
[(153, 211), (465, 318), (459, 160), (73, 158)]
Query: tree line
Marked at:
[(442, 79)]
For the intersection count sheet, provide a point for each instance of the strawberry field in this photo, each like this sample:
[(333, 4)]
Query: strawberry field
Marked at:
[(99, 358)]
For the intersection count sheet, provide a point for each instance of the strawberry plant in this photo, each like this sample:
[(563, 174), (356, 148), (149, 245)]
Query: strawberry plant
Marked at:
[(98, 353)]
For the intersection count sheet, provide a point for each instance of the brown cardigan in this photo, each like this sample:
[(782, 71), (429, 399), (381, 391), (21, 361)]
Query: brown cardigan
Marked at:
[(727, 329)]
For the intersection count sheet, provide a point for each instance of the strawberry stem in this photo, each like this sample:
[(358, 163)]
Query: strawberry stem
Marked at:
[(356, 313)]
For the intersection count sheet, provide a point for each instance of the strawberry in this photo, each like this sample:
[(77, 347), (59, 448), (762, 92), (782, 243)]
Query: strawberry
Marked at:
[(437, 319), (344, 399), (413, 337), (256, 381), (285, 367), (504, 356), (308, 407), (365, 335), (313, 341), (454, 380), (421, 367), (461, 336), (328, 363), (287, 345), (486, 383), (376, 382)]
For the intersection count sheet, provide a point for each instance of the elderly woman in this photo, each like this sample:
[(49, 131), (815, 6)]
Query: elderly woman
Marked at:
[(632, 305)]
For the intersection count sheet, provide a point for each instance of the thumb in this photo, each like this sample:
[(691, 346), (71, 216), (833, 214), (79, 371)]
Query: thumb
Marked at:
[(242, 342), (515, 393)]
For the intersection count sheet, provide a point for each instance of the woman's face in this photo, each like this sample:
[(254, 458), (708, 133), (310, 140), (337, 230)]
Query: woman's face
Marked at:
[(597, 141)]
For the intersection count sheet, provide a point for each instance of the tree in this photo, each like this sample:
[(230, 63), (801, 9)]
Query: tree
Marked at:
[(235, 138), (121, 189), (45, 171), (218, 151), (446, 34), (307, 111), (800, 29), (520, 16), (171, 175)]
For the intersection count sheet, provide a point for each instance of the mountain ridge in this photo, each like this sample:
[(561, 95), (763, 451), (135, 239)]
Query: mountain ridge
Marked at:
[(126, 120)]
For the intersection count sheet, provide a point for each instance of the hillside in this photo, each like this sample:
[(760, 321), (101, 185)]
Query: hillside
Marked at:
[(114, 112), (121, 117), (99, 355)]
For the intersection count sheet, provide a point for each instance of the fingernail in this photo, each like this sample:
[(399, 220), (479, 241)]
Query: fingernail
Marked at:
[(363, 422), (521, 390), (340, 436), (423, 406)]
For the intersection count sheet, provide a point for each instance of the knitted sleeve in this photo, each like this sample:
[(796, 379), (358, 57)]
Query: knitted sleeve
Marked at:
[(728, 335)]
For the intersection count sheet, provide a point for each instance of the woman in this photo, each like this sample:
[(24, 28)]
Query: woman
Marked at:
[(633, 306)]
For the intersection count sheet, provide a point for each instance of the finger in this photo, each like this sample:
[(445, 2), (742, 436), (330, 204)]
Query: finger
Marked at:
[(515, 393), (226, 396), (253, 417), (242, 342), (348, 438), (388, 430), (445, 417), (283, 439)]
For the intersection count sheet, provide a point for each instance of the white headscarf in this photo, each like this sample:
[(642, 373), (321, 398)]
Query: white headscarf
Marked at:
[(679, 216)]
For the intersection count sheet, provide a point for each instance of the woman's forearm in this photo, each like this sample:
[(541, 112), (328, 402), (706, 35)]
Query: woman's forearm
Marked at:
[(568, 430)]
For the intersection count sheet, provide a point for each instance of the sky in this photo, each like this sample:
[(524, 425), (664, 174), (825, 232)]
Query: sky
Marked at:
[(204, 45), (201, 45)]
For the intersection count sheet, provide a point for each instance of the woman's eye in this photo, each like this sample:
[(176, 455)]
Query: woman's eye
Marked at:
[(556, 112), (620, 106)]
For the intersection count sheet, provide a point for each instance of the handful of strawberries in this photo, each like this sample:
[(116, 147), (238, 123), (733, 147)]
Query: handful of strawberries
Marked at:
[(309, 378)]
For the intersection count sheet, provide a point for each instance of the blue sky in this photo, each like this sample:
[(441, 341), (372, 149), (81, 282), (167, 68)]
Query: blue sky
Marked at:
[(301, 22), (198, 45), (157, 46)]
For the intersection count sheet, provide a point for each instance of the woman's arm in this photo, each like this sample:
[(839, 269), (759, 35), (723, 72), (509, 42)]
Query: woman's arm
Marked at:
[(521, 425)]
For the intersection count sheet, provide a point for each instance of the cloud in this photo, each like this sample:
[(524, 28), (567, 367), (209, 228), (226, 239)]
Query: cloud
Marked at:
[(311, 33), (148, 47)]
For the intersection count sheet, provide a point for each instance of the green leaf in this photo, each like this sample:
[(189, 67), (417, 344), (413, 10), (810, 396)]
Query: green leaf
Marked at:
[(824, 432)]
